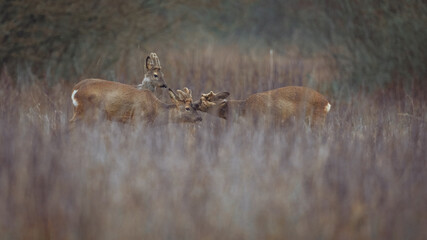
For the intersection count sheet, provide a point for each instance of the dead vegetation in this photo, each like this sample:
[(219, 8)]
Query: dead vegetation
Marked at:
[(362, 177)]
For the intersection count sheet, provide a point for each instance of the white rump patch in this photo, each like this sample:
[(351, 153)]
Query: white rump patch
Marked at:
[(328, 107), (75, 103)]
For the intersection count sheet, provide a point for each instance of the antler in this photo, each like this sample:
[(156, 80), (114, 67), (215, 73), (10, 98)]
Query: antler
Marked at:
[(206, 101), (156, 60), (211, 99), (153, 61), (185, 95), (208, 96)]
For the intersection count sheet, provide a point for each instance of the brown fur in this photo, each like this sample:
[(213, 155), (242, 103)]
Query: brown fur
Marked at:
[(123, 103), (276, 106)]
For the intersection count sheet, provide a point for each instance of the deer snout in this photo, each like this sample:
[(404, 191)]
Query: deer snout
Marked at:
[(196, 105)]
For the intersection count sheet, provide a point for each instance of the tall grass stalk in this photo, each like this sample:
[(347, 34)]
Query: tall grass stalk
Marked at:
[(362, 177)]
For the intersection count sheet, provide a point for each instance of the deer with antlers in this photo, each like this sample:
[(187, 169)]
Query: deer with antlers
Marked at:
[(276, 106), (95, 98)]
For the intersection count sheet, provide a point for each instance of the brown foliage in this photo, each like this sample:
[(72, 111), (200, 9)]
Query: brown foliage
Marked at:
[(362, 177)]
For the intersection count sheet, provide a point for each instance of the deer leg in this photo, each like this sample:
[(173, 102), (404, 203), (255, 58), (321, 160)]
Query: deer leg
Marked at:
[(318, 119), (77, 116)]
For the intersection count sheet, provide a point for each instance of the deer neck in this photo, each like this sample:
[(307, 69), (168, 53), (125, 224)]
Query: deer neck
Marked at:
[(226, 109), (230, 109), (233, 109), (147, 84), (165, 113)]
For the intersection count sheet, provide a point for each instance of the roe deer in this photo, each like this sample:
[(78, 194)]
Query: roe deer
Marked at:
[(124, 103), (153, 77), (277, 105)]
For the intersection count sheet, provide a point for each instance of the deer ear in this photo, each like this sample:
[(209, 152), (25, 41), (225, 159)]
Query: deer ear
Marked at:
[(155, 60), (221, 96), (149, 64)]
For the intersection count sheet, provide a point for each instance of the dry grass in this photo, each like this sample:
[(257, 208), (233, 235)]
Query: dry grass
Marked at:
[(362, 177)]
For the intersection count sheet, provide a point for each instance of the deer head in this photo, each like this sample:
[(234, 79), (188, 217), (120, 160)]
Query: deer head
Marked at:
[(184, 104), (153, 77), (211, 101)]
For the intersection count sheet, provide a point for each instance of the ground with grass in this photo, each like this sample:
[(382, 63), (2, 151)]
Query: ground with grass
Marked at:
[(361, 177)]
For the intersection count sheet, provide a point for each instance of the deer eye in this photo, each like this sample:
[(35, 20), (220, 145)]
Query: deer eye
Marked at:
[(155, 75), (187, 108)]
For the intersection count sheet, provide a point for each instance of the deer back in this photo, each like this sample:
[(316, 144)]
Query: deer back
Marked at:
[(124, 103), (284, 103), (278, 105), (117, 101)]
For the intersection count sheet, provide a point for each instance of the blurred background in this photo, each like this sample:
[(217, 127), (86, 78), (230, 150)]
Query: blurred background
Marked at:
[(352, 45), (363, 176)]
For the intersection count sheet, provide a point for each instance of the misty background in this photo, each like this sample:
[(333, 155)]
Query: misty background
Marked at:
[(372, 43), (363, 176)]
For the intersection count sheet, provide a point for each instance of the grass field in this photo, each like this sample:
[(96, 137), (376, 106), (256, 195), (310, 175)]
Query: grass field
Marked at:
[(361, 177)]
